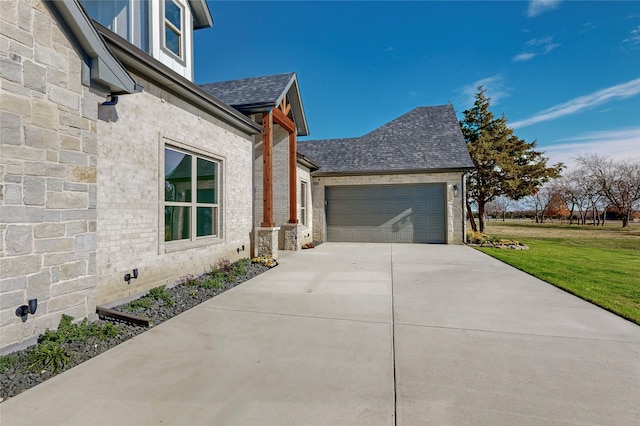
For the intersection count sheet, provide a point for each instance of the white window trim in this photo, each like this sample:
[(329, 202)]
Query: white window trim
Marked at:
[(194, 241), (181, 32), (304, 203)]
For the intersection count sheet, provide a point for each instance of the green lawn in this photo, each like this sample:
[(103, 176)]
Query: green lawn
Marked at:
[(603, 268)]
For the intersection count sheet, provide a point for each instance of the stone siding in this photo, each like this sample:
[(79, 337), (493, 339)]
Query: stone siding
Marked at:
[(280, 157), (48, 176), (133, 135), (454, 205)]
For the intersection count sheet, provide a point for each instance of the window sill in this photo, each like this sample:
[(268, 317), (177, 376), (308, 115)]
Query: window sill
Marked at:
[(173, 246)]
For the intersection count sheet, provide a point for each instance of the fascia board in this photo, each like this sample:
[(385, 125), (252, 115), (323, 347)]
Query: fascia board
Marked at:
[(201, 15), (296, 99), (105, 69)]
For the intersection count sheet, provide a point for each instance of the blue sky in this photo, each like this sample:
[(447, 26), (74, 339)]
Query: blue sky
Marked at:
[(566, 73)]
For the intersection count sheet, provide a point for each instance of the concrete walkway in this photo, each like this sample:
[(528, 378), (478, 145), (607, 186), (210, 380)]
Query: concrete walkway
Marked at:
[(363, 334)]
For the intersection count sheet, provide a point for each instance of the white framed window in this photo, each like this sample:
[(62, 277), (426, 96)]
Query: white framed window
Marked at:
[(191, 196), (303, 203), (173, 28)]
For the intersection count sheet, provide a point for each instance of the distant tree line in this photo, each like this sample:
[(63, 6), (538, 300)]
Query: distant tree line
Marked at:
[(511, 176), (597, 189)]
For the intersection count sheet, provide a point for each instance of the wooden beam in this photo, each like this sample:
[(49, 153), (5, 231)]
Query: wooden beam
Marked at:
[(267, 171), (284, 121), (121, 316), (293, 179)]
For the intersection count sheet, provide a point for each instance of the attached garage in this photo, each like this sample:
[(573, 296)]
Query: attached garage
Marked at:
[(401, 183), (386, 213)]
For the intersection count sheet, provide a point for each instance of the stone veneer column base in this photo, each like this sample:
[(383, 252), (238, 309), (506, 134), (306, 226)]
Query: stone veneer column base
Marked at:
[(268, 242), (292, 240)]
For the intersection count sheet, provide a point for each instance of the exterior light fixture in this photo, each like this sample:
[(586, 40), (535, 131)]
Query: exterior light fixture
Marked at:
[(456, 191), (128, 277), (24, 310)]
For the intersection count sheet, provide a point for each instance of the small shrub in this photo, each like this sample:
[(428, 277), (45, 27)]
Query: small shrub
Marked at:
[(8, 361), (265, 260), (142, 303), (223, 265), (68, 332), (475, 237), (49, 356), (214, 281), (188, 280), (161, 293)]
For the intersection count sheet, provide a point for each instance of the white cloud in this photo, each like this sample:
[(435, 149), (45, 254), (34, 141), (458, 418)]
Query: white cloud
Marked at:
[(634, 38), (579, 104), (537, 7), (524, 57), (536, 47), (617, 144), (494, 86)]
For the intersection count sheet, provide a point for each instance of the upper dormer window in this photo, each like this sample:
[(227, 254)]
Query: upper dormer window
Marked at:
[(173, 27)]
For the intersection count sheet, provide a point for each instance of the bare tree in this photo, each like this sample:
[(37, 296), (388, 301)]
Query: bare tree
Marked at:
[(618, 182), (499, 207), (572, 188)]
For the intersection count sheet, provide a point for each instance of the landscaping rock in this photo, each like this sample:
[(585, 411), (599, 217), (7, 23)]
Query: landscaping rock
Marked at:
[(19, 377)]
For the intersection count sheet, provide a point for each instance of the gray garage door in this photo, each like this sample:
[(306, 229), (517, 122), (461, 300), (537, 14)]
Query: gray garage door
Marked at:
[(386, 213)]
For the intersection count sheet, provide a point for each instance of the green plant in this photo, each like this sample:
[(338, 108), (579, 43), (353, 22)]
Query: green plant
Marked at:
[(49, 355), (161, 293), (8, 361), (142, 303), (193, 293), (215, 280), (188, 280), (68, 332)]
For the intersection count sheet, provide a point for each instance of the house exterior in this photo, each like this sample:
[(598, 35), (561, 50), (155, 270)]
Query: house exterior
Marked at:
[(112, 159), (403, 182), (282, 219), (119, 174)]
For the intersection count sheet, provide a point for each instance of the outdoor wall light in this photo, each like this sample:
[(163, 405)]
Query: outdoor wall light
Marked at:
[(456, 191), (25, 310), (128, 277)]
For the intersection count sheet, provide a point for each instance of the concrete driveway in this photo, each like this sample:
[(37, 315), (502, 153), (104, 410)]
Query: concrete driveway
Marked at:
[(363, 334)]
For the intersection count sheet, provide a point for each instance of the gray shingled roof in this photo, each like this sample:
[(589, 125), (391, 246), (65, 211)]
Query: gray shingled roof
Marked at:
[(261, 94), (265, 90), (426, 138)]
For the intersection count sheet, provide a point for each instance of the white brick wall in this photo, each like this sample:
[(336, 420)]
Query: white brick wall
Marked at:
[(47, 175), (133, 135), (454, 205)]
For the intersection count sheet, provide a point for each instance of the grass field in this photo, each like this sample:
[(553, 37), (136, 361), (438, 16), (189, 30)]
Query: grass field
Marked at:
[(598, 264)]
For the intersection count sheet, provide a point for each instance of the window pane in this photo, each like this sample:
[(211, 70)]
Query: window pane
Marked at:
[(177, 176), (172, 13), (207, 171), (172, 40), (176, 223), (206, 221)]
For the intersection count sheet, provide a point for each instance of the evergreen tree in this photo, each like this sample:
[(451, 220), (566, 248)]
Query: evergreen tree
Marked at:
[(505, 164)]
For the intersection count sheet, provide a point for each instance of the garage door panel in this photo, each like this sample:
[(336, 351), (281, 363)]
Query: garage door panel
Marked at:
[(386, 213)]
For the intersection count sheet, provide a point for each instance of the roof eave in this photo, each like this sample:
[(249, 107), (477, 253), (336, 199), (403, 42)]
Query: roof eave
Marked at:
[(105, 69), (201, 14), (321, 173)]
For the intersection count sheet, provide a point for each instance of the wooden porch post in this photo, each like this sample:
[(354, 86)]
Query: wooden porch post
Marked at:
[(267, 171), (293, 179)]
